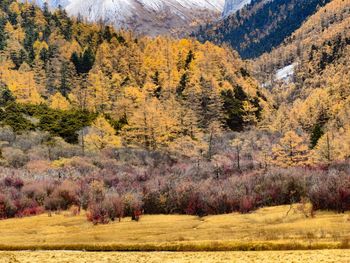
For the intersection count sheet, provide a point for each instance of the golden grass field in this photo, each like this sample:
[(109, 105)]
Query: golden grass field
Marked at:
[(265, 229), (314, 256)]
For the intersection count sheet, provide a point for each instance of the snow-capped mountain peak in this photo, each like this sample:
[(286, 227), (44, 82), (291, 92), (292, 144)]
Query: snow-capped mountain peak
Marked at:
[(145, 16)]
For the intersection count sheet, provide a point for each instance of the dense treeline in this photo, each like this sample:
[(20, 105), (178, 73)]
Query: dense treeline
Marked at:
[(153, 92), (260, 26)]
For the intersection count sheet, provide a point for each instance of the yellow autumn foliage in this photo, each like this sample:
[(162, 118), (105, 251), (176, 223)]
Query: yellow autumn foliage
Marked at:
[(59, 102), (290, 151), (101, 135)]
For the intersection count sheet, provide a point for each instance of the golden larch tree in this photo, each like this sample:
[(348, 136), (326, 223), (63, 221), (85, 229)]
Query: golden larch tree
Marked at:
[(59, 102), (101, 135), (290, 151)]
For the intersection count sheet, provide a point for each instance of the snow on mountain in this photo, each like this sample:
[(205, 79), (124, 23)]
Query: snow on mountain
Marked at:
[(152, 17), (286, 73), (232, 6)]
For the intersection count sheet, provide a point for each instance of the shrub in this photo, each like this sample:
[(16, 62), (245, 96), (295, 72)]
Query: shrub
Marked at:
[(331, 191), (97, 191), (196, 205), (35, 191), (111, 189), (38, 166), (7, 134), (102, 212), (247, 204), (115, 207), (155, 203), (65, 194), (136, 215), (7, 207), (133, 205), (32, 211), (98, 213), (52, 204), (13, 182), (14, 157), (28, 140)]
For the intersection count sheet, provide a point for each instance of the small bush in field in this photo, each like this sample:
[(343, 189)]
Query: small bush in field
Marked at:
[(111, 208), (98, 213), (115, 207)]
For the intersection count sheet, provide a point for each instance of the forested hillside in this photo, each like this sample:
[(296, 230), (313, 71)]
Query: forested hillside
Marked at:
[(316, 99), (260, 26), (153, 92)]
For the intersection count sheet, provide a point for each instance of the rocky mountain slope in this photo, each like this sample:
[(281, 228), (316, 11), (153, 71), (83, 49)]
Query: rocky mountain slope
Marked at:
[(155, 17), (260, 25)]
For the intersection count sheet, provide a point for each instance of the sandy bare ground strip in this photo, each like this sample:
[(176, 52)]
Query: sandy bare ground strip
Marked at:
[(336, 256)]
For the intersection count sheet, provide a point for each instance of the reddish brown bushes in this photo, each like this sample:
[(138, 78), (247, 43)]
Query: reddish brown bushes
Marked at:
[(108, 209), (166, 190)]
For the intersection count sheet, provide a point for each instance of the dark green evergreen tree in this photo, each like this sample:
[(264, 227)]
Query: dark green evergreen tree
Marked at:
[(3, 35), (316, 133)]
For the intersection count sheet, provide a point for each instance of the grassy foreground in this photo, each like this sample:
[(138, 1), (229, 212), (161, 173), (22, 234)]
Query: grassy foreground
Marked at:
[(265, 229), (315, 256)]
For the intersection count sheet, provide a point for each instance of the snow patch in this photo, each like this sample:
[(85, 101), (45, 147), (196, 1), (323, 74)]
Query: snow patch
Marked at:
[(286, 73)]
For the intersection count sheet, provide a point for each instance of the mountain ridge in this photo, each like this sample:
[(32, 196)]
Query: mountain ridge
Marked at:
[(260, 25), (173, 17)]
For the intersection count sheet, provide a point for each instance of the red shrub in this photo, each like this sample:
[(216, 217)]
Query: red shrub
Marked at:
[(31, 211), (98, 214), (247, 204)]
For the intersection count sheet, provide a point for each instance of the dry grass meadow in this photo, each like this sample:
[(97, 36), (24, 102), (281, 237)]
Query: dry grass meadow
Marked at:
[(265, 229), (314, 256)]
